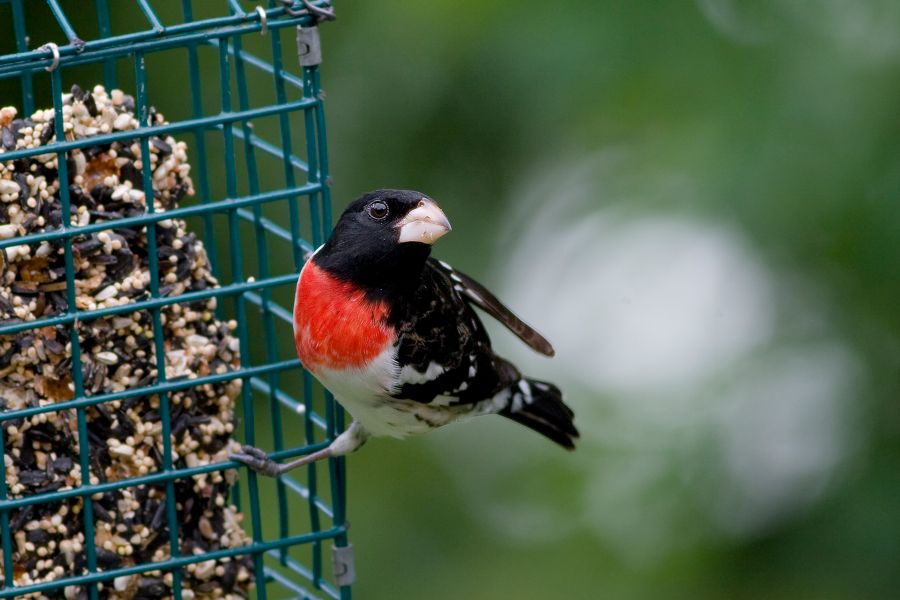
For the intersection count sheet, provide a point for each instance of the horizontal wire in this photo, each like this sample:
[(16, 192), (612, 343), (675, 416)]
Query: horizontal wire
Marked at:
[(150, 40), (158, 477), (271, 149), (187, 297), (169, 386), (264, 66), (199, 123), (175, 213), (176, 563), (301, 592), (298, 568)]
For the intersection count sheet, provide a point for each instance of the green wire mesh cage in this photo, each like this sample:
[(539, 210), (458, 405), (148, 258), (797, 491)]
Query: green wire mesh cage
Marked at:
[(163, 174)]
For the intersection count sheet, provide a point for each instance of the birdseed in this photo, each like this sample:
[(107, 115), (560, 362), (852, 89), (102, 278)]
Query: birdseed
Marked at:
[(41, 452)]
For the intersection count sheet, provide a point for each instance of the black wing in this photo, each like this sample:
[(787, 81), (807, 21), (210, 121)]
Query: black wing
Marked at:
[(444, 350), (481, 297)]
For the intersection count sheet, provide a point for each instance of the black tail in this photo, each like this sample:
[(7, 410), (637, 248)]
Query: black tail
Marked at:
[(539, 405)]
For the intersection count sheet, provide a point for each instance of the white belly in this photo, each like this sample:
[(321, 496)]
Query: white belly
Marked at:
[(365, 394)]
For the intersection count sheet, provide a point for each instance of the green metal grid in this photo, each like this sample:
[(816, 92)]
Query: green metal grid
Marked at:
[(305, 186)]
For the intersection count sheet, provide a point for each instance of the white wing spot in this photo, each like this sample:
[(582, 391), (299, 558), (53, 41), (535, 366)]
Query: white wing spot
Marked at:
[(409, 374), (445, 265), (526, 391), (443, 400), (499, 401), (474, 296)]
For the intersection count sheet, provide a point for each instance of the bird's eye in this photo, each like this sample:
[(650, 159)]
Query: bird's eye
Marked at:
[(378, 210)]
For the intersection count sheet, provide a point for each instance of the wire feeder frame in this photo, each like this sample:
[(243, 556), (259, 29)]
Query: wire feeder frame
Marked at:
[(249, 181)]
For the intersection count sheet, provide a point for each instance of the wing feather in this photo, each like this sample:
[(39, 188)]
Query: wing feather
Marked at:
[(480, 296)]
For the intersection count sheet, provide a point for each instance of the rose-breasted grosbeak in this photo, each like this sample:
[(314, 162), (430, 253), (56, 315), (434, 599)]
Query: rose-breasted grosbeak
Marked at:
[(392, 333)]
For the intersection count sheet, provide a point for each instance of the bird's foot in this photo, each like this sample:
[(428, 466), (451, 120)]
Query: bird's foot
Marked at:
[(257, 460)]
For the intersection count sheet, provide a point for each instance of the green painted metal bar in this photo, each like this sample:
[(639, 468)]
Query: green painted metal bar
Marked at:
[(292, 404), (271, 149), (278, 231), (175, 213), (148, 11), (287, 144), (312, 154), (150, 479), (26, 78), (165, 565), (169, 386), (162, 43), (187, 297), (142, 106), (262, 254), (312, 468), (240, 308), (337, 465), (211, 122), (74, 341), (298, 568), (236, 8), (315, 224), (300, 593), (63, 21), (105, 29), (209, 230), (276, 309), (5, 534), (252, 59), (215, 27), (303, 491), (321, 143)]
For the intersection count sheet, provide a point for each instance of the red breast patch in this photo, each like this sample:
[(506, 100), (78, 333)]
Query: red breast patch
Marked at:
[(334, 325)]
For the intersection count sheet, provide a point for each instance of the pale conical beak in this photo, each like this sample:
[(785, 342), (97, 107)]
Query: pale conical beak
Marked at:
[(426, 223)]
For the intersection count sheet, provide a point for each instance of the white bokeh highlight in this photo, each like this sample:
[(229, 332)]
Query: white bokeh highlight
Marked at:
[(702, 419)]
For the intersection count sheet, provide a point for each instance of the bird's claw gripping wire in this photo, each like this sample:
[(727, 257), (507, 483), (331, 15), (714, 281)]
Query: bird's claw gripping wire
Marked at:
[(257, 460), (260, 462)]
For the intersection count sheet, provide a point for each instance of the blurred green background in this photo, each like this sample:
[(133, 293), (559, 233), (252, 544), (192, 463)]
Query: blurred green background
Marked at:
[(695, 202)]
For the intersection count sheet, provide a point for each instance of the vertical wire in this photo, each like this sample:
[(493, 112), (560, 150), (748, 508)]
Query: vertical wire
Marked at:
[(313, 177), (240, 309), (209, 231), (4, 514), (337, 464), (312, 484), (312, 155), (143, 110), (77, 374), (22, 46), (60, 15), (105, 30), (150, 14), (262, 253), (294, 217), (287, 148), (324, 174)]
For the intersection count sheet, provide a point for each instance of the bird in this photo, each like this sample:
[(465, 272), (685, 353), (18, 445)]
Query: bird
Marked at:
[(393, 333)]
